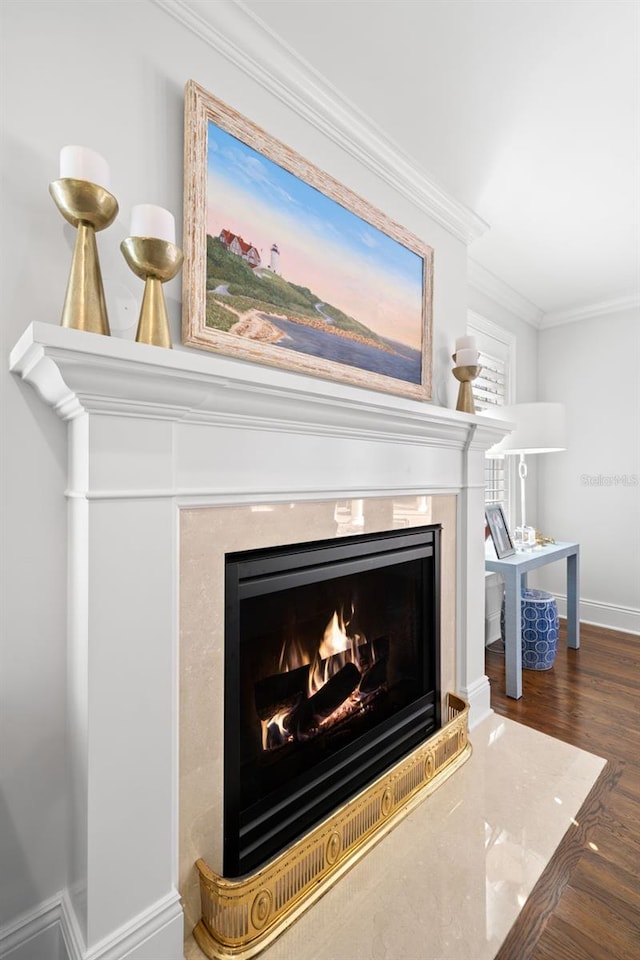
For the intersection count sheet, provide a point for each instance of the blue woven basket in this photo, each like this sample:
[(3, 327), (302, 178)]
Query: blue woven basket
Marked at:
[(539, 625)]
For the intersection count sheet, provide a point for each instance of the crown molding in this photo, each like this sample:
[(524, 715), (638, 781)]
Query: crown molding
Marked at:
[(485, 282), (479, 278), (491, 329), (240, 36), (590, 311)]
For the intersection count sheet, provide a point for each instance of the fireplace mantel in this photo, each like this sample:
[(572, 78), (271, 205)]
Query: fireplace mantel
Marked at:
[(152, 432), (78, 373)]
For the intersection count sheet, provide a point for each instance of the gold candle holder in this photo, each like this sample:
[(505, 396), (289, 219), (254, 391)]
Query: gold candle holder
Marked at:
[(154, 261), (89, 208), (465, 376)]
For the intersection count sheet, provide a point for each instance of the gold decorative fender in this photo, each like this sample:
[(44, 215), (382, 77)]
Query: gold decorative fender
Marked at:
[(242, 917)]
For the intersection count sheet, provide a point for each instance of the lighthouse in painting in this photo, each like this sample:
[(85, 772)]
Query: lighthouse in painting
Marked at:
[(275, 259)]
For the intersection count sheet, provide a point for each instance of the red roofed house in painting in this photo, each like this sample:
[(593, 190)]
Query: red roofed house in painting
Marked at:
[(241, 248)]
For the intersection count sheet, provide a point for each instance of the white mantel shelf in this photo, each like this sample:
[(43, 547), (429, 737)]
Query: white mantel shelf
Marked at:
[(152, 432), (77, 372)]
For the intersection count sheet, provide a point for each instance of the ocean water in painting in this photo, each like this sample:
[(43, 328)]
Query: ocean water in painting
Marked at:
[(403, 364)]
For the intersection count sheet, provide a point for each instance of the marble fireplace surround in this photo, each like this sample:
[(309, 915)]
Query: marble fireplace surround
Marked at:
[(162, 441), (206, 534)]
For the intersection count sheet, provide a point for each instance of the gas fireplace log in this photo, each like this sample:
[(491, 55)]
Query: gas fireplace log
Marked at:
[(381, 648), (280, 692), (366, 651), (334, 692), (275, 736), (374, 677), (323, 703)]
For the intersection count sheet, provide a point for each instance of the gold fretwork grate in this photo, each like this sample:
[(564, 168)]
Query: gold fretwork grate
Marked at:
[(241, 917)]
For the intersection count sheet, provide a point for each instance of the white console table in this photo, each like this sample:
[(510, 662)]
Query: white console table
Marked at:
[(515, 569)]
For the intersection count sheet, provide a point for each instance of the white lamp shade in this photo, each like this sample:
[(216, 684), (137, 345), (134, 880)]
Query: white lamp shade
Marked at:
[(540, 428)]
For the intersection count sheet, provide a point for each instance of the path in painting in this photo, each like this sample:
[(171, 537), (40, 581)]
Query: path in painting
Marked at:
[(403, 365), (325, 316)]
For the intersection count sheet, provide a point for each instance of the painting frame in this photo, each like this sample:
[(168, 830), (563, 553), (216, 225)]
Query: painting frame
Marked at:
[(500, 533), (202, 304)]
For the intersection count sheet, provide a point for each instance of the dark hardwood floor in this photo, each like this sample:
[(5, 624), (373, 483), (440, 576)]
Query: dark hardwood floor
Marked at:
[(586, 904)]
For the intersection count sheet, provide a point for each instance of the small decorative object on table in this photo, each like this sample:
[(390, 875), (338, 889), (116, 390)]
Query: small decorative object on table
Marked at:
[(542, 541), (465, 371), (153, 256), (82, 197), (502, 539), (524, 538)]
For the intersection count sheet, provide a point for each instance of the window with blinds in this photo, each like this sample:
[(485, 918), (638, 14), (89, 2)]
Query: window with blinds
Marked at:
[(493, 388), (489, 390)]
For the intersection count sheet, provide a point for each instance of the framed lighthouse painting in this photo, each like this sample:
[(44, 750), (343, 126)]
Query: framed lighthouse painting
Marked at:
[(285, 266)]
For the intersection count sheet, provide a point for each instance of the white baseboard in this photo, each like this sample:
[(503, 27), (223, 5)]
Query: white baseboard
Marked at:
[(51, 932), (492, 628), (34, 935), (478, 696), (493, 594), (608, 615), (155, 934)]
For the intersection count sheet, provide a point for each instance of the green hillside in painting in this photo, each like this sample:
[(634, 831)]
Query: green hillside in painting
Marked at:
[(234, 288)]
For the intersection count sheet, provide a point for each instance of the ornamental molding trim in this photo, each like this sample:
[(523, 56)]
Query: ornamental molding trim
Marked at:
[(146, 928), (30, 926), (487, 327), (480, 279), (243, 39), (590, 311)]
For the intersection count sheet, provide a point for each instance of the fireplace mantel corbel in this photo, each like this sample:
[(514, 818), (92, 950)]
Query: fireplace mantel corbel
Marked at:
[(152, 431)]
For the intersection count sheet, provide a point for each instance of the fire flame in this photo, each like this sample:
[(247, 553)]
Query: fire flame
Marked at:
[(292, 656), (278, 721), (339, 646), (335, 639)]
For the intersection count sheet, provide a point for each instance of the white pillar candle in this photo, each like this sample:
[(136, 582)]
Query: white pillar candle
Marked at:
[(148, 220), (466, 358), (82, 163), (466, 343)]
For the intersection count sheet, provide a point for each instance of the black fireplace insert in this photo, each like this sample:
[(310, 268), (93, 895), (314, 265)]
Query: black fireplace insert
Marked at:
[(331, 676)]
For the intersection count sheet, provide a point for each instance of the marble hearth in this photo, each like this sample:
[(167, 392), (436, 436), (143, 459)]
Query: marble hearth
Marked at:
[(449, 881)]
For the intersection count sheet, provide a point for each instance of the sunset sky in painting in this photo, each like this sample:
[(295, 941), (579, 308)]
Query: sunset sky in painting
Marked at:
[(341, 258)]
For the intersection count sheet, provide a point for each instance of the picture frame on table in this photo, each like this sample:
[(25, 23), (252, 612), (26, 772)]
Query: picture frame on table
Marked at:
[(500, 533), (285, 266)]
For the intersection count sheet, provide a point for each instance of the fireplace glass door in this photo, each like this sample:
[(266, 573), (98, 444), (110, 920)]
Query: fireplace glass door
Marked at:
[(331, 676)]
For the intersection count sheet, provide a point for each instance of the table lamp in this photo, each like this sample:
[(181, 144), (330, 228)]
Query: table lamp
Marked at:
[(540, 428)]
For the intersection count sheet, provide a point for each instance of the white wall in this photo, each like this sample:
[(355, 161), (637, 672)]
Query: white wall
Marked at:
[(591, 493), (111, 76)]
